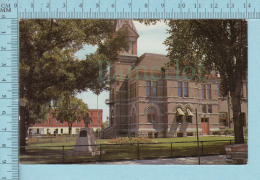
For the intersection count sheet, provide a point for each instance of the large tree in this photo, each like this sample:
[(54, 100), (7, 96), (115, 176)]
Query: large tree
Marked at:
[(219, 46), (48, 66)]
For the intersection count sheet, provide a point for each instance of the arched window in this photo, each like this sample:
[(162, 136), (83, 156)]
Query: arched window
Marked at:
[(112, 118), (133, 116), (151, 116)]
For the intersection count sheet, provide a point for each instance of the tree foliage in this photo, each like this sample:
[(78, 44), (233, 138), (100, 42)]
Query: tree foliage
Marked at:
[(220, 46), (70, 109), (48, 66)]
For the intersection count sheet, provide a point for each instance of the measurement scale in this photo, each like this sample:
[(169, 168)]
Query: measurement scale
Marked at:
[(12, 10)]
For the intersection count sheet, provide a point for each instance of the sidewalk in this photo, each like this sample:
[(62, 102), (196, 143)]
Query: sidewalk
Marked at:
[(204, 160)]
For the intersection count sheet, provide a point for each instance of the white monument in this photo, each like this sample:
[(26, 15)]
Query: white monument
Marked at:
[(86, 143)]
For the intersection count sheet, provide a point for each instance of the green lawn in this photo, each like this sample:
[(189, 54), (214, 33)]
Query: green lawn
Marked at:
[(44, 154)]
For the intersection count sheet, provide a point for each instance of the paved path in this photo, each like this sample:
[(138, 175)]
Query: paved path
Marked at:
[(204, 160)]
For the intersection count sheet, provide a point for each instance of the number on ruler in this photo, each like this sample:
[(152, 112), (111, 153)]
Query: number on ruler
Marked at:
[(3, 64), (162, 5), (181, 5), (3, 79), (81, 5), (3, 177), (97, 5), (113, 5), (3, 48), (47, 5), (247, 5), (4, 161), (3, 96), (3, 112), (197, 5), (146, 5), (63, 5), (129, 5), (4, 129), (3, 145), (232, 5), (213, 5), (32, 5)]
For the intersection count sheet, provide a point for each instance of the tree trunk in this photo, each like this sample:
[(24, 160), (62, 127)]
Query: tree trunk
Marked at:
[(238, 124), (23, 130), (70, 127)]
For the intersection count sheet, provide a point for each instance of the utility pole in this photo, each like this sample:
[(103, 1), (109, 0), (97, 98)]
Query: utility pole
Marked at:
[(197, 129)]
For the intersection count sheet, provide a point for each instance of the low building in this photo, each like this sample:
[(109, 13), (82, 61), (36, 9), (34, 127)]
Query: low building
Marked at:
[(54, 126)]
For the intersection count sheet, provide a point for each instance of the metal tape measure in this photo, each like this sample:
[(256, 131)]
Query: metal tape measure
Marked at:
[(11, 11)]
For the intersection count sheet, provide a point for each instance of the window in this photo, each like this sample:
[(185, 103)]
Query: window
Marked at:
[(38, 131), (180, 89), (204, 108), (61, 131), (77, 121), (77, 131), (98, 122), (151, 88), (90, 121), (189, 119), (98, 115), (223, 119), (179, 119), (49, 120), (183, 90), (154, 88), (204, 119), (151, 115), (209, 108), (57, 122), (206, 91), (243, 119), (148, 88)]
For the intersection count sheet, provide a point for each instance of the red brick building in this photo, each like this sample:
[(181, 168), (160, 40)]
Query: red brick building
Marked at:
[(53, 125), (149, 99)]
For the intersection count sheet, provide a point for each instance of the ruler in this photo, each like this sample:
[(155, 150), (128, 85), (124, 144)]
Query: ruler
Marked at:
[(12, 10), (110, 9), (9, 90)]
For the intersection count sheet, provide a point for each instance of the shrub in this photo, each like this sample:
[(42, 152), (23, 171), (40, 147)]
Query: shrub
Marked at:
[(216, 133), (129, 140), (228, 131)]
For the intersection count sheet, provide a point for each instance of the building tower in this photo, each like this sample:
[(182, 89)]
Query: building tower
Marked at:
[(118, 101)]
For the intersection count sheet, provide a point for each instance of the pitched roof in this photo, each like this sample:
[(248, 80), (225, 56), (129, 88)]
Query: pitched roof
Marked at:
[(150, 60), (122, 22)]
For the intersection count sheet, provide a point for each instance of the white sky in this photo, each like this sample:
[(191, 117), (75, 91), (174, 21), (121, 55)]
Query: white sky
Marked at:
[(150, 40)]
